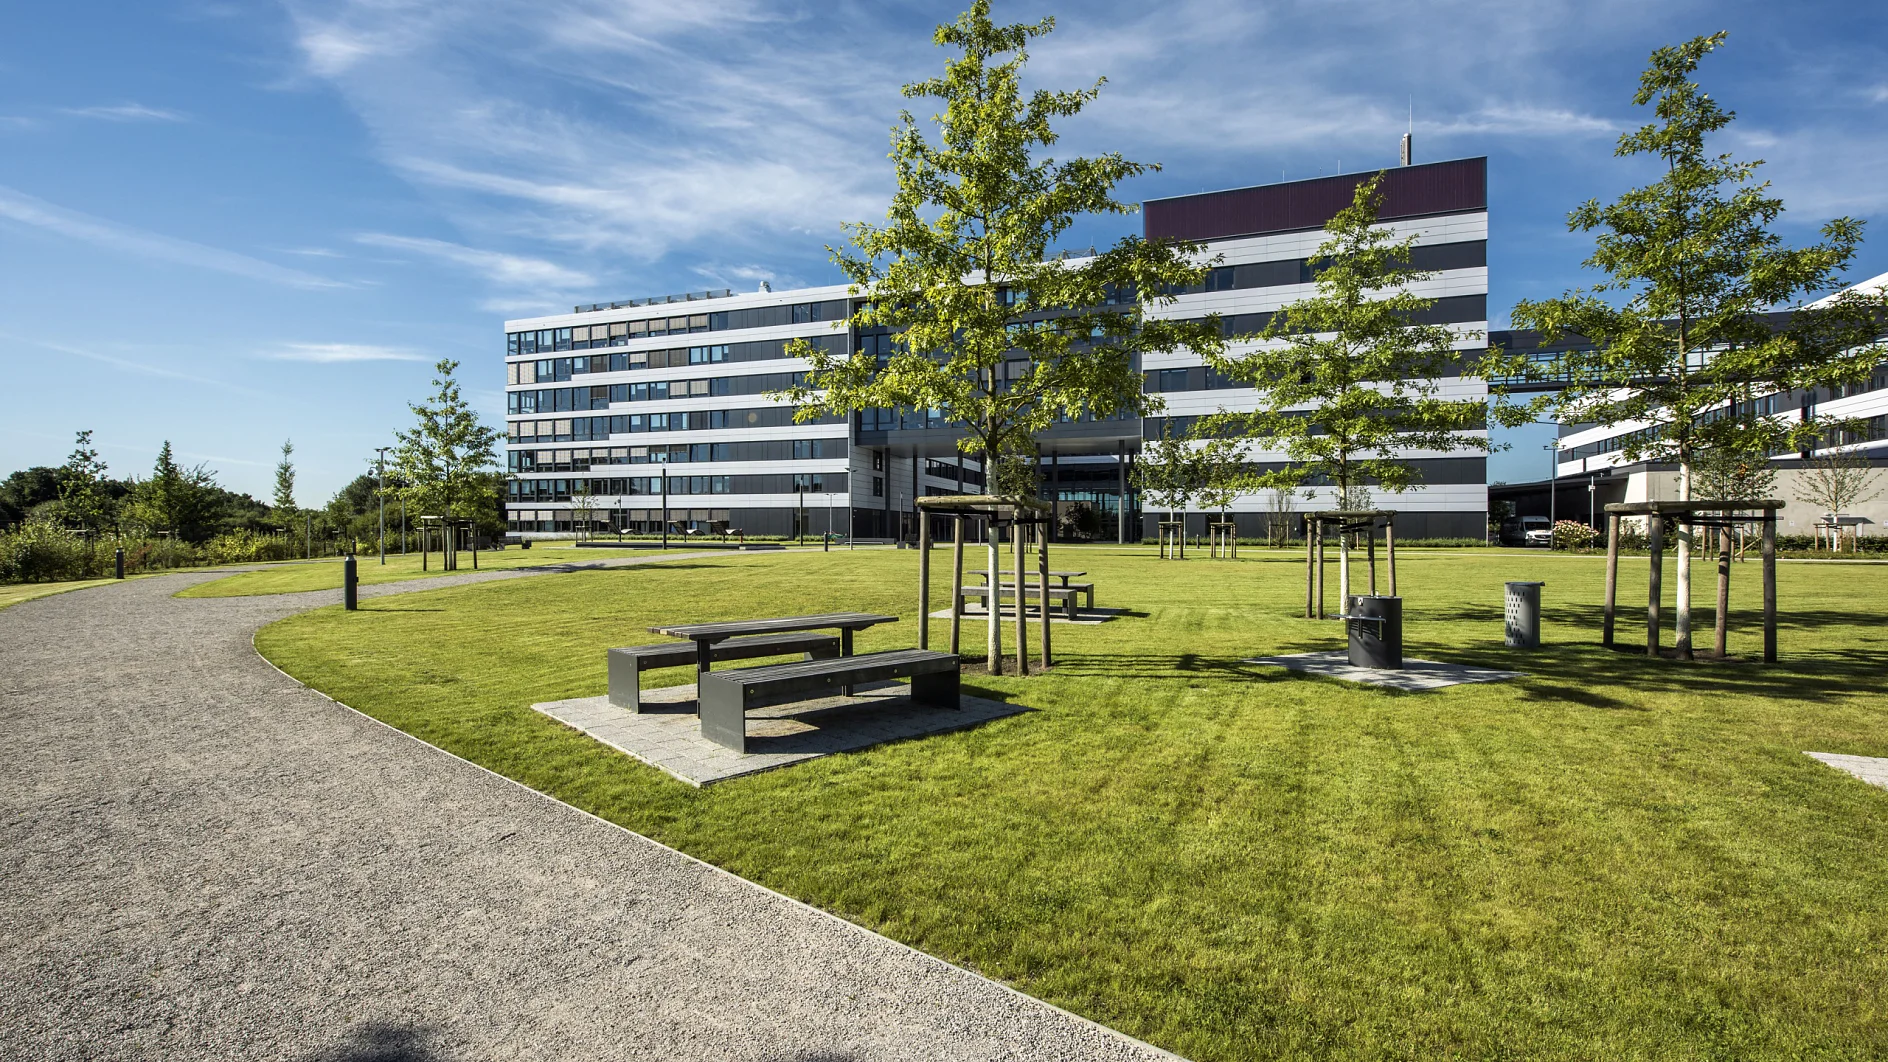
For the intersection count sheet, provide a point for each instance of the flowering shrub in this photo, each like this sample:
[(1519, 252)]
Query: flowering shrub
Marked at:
[(1573, 535)]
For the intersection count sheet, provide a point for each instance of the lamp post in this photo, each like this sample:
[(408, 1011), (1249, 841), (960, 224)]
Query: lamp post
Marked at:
[(380, 488), (1592, 513), (1553, 487)]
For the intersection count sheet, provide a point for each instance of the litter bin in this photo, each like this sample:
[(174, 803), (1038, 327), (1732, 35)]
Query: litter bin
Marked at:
[(1376, 632), (1524, 615)]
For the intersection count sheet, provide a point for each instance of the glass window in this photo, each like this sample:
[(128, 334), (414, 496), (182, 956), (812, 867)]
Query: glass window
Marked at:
[(698, 322), (637, 328)]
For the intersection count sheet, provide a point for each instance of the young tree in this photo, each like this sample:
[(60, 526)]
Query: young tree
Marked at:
[(1681, 338), (1220, 465), (1167, 473), (175, 499), (285, 482), (1346, 381), (444, 461), (84, 491), (995, 334), (1835, 483)]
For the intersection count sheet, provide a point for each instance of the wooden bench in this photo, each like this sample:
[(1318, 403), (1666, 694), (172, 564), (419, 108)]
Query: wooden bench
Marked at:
[(726, 696), (627, 665), (1063, 597)]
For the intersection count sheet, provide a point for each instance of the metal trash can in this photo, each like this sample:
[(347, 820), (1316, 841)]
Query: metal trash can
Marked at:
[(1524, 615), (1376, 632)]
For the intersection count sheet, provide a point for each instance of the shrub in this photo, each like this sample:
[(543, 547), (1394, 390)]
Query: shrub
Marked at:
[(244, 547), (39, 552), (1573, 535)]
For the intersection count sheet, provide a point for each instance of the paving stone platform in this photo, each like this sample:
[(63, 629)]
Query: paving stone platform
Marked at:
[(1417, 676), (669, 737), (1870, 769)]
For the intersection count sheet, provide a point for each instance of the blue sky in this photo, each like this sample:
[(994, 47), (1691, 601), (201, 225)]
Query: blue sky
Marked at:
[(229, 224)]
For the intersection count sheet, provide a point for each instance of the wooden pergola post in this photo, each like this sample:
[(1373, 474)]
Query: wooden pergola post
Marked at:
[(1311, 559), (1612, 579), (1370, 552), (1770, 586), (957, 582), (1022, 599), (924, 580), (1042, 590), (1724, 588), (1320, 568), (1389, 547), (1655, 583)]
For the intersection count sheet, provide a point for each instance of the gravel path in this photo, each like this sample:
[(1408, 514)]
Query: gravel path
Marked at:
[(200, 858)]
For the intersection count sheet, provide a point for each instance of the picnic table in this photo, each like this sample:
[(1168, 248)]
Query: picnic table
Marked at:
[(705, 635), (1064, 576)]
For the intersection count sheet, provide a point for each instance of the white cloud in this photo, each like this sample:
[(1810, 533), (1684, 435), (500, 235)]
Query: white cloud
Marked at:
[(126, 112), (28, 210), (130, 365), (330, 353), (499, 268)]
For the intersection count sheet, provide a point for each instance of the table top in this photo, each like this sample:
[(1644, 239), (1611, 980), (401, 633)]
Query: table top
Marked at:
[(1065, 576), (714, 632)]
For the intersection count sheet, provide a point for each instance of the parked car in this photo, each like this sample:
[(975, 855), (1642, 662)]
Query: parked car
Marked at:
[(1537, 531)]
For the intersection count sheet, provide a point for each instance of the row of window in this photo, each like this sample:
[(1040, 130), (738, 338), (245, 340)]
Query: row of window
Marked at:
[(1455, 309), (599, 429), (602, 396), (1425, 257), (583, 460), (553, 370), (557, 490), (1870, 429), (619, 333)]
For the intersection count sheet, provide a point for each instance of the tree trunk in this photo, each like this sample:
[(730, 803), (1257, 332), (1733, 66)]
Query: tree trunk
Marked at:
[(1683, 589), (993, 642)]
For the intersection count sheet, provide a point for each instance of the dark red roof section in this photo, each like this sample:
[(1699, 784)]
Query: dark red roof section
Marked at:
[(1455, 187)]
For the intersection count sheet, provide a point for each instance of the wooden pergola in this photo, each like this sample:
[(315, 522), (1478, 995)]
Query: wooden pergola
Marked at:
[(449, 530), (1721, 514), (1345, 522), (997, 511)]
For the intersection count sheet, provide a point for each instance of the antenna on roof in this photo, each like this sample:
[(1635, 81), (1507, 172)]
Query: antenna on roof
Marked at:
[(1408, 147)]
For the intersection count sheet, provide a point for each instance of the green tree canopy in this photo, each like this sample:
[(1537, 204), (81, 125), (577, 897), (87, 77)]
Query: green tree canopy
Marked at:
[(84, 489), (992, 330), (285, 482), (178, 500), (444, 461), (1682, 343), (1347, 384)]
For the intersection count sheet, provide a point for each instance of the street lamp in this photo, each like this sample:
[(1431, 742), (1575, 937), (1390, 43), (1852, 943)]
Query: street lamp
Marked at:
[(1553, 488), (380, 488)]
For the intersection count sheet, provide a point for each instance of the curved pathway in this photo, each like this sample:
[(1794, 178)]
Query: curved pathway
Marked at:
[(201, 858)]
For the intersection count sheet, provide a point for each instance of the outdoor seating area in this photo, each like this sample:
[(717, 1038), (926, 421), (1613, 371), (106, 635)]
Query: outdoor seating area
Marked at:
[(828, 669)]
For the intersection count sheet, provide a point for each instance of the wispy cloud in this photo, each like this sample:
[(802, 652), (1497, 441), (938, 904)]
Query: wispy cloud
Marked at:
[(330, 353), (130, 365), (126, 112), (29, 210), (495, 266)]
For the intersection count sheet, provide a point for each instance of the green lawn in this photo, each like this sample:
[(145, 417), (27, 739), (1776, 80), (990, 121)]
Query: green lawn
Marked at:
[(326, 574), (1613, 858)]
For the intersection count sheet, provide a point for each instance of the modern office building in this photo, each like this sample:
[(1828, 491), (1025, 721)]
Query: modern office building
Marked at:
[(1585, 470), (619, 412)]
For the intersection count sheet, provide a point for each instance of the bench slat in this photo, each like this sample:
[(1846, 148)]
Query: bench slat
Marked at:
[(726, 696), (627, 664)]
